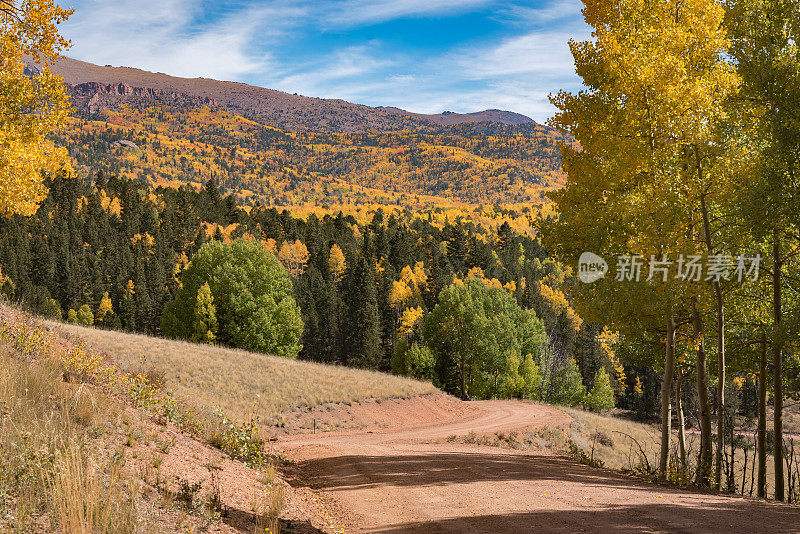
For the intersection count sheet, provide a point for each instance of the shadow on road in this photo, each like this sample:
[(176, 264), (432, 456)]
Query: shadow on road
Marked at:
[(703, 518), (357, 471)]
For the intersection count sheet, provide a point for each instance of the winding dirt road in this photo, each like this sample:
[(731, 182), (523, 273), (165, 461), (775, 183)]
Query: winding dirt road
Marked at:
[(401, 480)]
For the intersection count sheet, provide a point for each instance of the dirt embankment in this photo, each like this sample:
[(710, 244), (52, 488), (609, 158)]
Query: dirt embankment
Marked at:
[(374, 415)]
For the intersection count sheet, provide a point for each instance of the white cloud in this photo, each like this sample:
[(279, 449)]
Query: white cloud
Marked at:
[(544, 54), (163, 36), (336, 74), (557, 10)]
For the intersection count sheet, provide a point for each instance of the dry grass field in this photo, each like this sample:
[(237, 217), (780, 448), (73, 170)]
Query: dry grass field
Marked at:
[(244, 385)]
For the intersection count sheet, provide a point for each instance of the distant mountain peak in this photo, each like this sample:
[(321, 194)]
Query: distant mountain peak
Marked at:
[(447, 118)]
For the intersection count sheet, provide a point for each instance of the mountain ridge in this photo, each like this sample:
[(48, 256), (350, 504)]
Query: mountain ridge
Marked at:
[(278, 108)]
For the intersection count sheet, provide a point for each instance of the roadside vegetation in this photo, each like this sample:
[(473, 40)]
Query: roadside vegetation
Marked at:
[(82, 444)]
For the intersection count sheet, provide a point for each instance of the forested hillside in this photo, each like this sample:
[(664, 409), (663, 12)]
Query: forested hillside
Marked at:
[(166, 143), (112, 252)]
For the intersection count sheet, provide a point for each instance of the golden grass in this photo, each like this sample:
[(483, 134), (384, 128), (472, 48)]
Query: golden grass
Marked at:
[(268, 504), (243, 384), (589, 430), (620, 443), (87, 498), (63, 464), (43, 466)]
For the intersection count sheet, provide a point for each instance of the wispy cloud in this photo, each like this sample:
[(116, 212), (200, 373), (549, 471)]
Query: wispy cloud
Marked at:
[(541, 54), (166, 36), (557, 10), (356, 12), (328, 74)]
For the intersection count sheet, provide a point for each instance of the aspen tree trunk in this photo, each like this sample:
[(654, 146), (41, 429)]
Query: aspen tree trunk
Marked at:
[(720, 383), (704, 466), (761, 437), (720, 311), (777, 386), (666, 398), (463, 373), (681, 422)]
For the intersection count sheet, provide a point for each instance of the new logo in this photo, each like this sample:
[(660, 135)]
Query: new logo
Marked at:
[(591, 267)]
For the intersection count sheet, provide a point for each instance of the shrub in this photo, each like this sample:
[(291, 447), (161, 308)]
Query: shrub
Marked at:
[(85, 315), (418, 362), (51, 309), (72, 316), (601, 397)]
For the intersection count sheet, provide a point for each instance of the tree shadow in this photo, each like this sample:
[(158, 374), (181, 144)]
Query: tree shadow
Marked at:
[(738, 516), (442, 468)]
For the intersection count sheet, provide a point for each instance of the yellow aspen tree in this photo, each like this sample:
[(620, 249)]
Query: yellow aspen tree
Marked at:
[(32, 105), (337, 263), (294, 256), (646, 128), (104, 309)]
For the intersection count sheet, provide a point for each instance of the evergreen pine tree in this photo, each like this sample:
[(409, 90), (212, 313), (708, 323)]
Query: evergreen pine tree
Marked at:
[(361, 333)]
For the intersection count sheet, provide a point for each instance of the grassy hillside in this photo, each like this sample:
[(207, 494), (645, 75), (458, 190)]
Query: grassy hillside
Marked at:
[(244, 384), (86, 448)]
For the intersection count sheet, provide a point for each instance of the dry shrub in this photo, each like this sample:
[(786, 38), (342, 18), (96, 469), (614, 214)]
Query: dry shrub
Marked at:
[(268, 503), (87, 499)]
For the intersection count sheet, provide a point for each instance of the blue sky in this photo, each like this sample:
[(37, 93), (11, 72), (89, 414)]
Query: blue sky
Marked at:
[(426, 56)]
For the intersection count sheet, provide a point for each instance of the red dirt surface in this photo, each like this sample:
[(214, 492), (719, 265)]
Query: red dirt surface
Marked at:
[(399, 477), (376, 415)]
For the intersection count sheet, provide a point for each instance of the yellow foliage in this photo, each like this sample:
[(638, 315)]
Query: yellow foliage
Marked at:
[(607, 339), (411, 317), (336, 262), (294, 256), (637, 388), (31, 108), (557, 301), (476, 273), (105, 308), (400, 294), (271, 245)]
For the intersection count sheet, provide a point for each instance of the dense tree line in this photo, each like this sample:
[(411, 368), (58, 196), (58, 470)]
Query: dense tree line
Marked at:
[(121, 251)]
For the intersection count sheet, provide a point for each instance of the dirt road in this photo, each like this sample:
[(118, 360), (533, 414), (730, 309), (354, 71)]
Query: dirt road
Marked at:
[(399, 480)]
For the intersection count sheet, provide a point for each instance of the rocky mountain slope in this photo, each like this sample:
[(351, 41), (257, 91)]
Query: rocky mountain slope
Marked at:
[(100, 87)]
